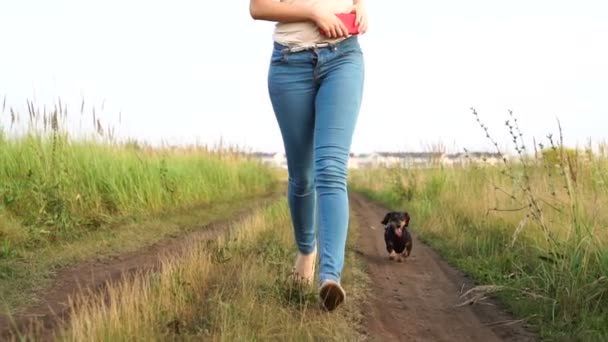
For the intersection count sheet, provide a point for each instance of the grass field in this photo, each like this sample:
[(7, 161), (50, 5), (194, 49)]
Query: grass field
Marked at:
[(64, 199), (232, 289), (536, 230)]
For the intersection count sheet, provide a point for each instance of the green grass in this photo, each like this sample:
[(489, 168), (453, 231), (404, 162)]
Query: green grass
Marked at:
[(64, 199), (538, 231), (58, 189), (232, 289), (534, 226)]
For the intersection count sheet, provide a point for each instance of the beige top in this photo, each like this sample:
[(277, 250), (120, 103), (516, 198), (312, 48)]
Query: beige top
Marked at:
[(304, 34)]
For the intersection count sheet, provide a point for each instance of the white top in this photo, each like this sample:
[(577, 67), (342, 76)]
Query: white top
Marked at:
[(306, 33)]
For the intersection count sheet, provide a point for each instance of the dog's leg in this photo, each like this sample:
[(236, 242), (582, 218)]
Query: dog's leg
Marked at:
[(408, 249), (389, 245), (400, 257)]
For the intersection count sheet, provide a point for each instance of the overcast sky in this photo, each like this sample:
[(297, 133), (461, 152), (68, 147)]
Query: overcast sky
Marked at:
[(186, 71)]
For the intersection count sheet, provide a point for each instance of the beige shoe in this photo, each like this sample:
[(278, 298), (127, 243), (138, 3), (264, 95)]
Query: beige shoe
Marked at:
[(303, 271), (332, 295)]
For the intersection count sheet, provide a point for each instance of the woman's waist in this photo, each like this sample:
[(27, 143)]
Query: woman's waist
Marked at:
[(342, 44), (302, 35)]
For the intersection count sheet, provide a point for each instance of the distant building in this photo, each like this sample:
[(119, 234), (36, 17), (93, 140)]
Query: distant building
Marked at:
[(399, 159), (271, 159)]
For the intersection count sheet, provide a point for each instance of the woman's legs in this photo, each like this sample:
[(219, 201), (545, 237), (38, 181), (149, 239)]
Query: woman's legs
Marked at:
[(316, 96)]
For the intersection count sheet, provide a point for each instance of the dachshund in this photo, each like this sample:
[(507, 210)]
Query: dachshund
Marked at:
[(396, 235)]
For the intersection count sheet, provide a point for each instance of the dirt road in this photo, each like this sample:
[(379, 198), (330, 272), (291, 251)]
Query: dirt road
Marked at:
[(411, 301), (417, 300)]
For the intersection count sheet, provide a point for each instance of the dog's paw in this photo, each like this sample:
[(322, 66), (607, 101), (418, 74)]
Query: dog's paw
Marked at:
[(391, 256), (399, 258)]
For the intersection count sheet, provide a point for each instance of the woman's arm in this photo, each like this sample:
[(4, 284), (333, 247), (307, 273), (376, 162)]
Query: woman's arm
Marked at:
[(271, 10)]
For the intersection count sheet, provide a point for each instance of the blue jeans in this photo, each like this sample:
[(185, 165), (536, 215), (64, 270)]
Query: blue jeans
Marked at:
[(316, 97)]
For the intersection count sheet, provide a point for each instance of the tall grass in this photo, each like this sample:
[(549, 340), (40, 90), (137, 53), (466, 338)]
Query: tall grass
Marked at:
[(536, 227), (54, 187), (232, 289)]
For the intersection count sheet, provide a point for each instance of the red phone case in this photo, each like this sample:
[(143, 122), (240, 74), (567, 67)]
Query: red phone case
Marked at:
[(349, 21)]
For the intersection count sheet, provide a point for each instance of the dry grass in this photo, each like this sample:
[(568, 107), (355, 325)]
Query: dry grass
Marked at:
[(232, 289)]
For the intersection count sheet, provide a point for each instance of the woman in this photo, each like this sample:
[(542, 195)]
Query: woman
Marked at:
[(315, 83)]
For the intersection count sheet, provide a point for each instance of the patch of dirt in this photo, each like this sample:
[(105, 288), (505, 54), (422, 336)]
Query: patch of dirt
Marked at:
[(418, 300), (94, 275)]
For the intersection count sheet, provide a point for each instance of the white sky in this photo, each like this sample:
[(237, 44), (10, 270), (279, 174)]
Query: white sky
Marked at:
[(184, 72)]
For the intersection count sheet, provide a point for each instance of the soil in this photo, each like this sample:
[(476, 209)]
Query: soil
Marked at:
[(93, 276), (419, 299)]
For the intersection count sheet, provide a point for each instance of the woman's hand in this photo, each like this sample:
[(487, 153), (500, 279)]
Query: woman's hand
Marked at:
[(361, 21), (328, 22)]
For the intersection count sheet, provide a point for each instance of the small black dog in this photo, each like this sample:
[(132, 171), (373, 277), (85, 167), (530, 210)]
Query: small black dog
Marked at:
[(396, 236)]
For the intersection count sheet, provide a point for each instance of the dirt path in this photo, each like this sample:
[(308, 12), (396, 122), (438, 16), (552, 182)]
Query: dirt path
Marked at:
[(417, 300), (413, 301), (94, 275)]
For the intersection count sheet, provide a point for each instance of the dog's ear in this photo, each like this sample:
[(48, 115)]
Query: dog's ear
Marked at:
[(386, 217), (407, 218)]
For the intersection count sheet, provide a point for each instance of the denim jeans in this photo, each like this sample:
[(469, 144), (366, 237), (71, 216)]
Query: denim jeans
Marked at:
[(316, 97)]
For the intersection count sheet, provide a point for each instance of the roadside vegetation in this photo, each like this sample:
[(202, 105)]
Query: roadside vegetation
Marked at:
[(532, 230), (65, 198)]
